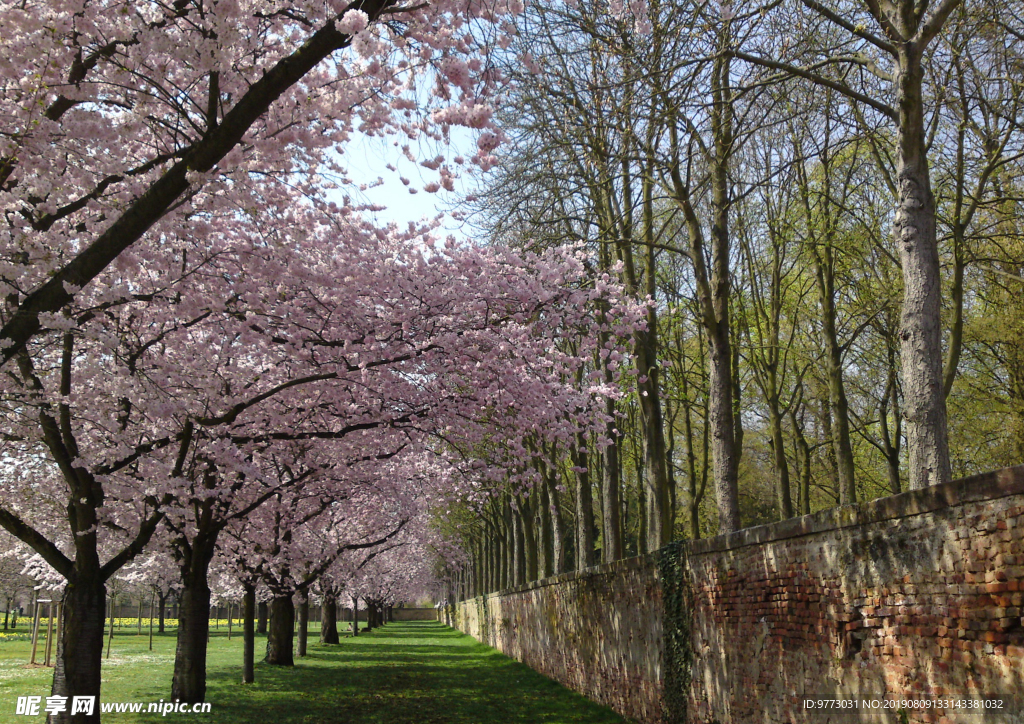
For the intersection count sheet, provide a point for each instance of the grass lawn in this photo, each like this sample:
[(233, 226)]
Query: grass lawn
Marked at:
[(406, 673)]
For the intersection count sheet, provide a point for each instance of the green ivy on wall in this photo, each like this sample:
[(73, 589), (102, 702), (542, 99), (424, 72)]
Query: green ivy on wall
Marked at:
[(678, 621)]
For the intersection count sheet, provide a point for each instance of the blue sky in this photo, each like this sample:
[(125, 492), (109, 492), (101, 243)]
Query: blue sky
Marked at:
[(367, 159)]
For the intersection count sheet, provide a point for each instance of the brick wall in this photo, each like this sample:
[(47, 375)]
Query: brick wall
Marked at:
[(918, 596), (597, 632)]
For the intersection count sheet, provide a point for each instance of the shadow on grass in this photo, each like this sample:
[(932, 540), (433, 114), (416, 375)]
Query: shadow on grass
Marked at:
[(388, 681)]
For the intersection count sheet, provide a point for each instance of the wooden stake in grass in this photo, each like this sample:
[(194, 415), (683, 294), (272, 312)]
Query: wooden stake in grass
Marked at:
[(60, 621), (35, 630), (110, 639), (49, 633)]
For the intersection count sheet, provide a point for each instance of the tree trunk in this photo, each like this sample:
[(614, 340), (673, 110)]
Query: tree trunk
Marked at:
[(803, 462), (713, 296), (783, 495), (526, 520), (329, 620), (303, 626), (518, 554), (713, 291), (547, 567), (162, 600), (495, 560), (658, 505), (611, 515), (189, 680), (261, 617), (891, 442), (355, 616), (841, 440), (694, 489), (924, 404), (249, 634), (80, 648), (584, 507), (481, 566), (557, 521), (281, 631)]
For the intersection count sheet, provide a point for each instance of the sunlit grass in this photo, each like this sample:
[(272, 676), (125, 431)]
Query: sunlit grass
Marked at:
[(405, 673)]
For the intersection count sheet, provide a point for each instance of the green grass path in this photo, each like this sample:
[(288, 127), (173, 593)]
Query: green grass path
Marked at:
[(405, 673)]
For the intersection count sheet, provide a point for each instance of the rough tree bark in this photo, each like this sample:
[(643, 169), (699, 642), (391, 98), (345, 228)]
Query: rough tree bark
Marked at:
[(329, 620), (924, 404), (280, 633), (189, 680), (80, 647)]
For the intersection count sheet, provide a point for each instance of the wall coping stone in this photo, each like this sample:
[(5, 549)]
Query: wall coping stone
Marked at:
[(990, 485)]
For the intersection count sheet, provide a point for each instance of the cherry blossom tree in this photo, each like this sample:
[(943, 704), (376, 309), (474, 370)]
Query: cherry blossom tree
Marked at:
[(122, 122), (193, 144), (159, 410)]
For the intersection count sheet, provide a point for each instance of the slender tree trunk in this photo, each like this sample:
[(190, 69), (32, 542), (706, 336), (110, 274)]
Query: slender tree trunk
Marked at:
[(495, 559), (547, 567), (303, 625), (518, 547), (525, 511), (80, 648), (508, 549), (803, 461), (611, 481), (558, 534), (783, 494), (249, 634), (355, 616), (585, 507), (840, 408), (281, 631), (696, 487), (162, 603), (329, 620), (658, 509)]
